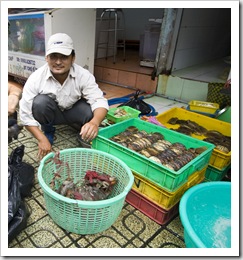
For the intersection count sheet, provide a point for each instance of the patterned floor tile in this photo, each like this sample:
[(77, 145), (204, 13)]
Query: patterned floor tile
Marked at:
[(132, 229)]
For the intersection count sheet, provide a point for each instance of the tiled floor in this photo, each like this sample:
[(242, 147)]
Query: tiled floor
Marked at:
[(213, 71), (132, 229)]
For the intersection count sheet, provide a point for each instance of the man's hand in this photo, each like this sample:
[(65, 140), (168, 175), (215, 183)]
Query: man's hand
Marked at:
[(44, 147), (43, 143), (89, 131)]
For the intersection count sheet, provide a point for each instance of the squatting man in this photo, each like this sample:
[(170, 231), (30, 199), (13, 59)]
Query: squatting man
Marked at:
[(61, 92)]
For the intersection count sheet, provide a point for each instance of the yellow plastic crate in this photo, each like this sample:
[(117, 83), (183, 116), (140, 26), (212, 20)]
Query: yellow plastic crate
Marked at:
[(202, 106), (162, 197), (218, 159)]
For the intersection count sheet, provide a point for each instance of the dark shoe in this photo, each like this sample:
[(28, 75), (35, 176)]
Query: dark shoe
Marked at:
[(13, 129), (83, 143), (50, 135), (13, 116)]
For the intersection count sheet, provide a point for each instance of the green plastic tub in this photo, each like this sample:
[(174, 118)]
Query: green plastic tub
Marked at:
[(155, 172), (131, 113), (205, 213), (226, 116), (78, 216)]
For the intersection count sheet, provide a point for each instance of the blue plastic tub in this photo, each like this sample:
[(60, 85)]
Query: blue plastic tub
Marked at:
[(205, 213)]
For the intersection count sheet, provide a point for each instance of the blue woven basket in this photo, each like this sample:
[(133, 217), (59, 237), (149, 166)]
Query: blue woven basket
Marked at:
[(85, 217)]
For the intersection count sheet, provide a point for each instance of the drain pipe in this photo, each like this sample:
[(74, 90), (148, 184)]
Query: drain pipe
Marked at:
[(165, 38)]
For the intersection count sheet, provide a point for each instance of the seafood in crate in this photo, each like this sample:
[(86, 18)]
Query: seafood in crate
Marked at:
[(221, 142), (156, 172), (202, 106), (211, 130), (118, 114), (189, 127), (154, 146)]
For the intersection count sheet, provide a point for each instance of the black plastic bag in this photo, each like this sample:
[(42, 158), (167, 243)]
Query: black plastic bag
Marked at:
[(138, 103), (14, 197), (19, 221), (24, 171), (20, 182)]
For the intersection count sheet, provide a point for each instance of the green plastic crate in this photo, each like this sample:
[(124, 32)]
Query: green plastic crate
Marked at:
[(155, 172), (214, 174), (131, 113)]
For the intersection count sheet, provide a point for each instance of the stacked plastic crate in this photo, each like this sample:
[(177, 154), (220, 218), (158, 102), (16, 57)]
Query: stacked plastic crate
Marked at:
[(220, 162), (156, 189), (156, 201)]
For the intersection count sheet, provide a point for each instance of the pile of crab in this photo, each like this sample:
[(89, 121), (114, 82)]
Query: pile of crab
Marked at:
[(188, 127), (120, 112), (92, 187), (154, 146)]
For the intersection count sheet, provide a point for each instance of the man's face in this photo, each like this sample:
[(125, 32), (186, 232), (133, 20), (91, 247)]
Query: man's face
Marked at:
[(59, 64)]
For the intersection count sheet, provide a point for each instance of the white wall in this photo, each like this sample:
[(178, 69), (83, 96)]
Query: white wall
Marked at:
[(80, 25), (204, 35)]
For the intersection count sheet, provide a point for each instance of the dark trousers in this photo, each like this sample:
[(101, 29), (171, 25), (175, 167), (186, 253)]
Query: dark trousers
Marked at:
[(46, 111)]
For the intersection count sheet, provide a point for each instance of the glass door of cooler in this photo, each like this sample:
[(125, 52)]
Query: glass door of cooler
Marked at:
[(27, 34)]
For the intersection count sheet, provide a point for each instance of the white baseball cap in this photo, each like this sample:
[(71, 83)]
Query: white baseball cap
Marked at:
[(60, 43)]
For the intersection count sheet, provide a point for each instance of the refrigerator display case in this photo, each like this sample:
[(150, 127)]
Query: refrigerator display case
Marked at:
[(29, 33)]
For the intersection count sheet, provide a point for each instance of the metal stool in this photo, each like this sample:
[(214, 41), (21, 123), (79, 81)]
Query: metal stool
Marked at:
[(113, 27)]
